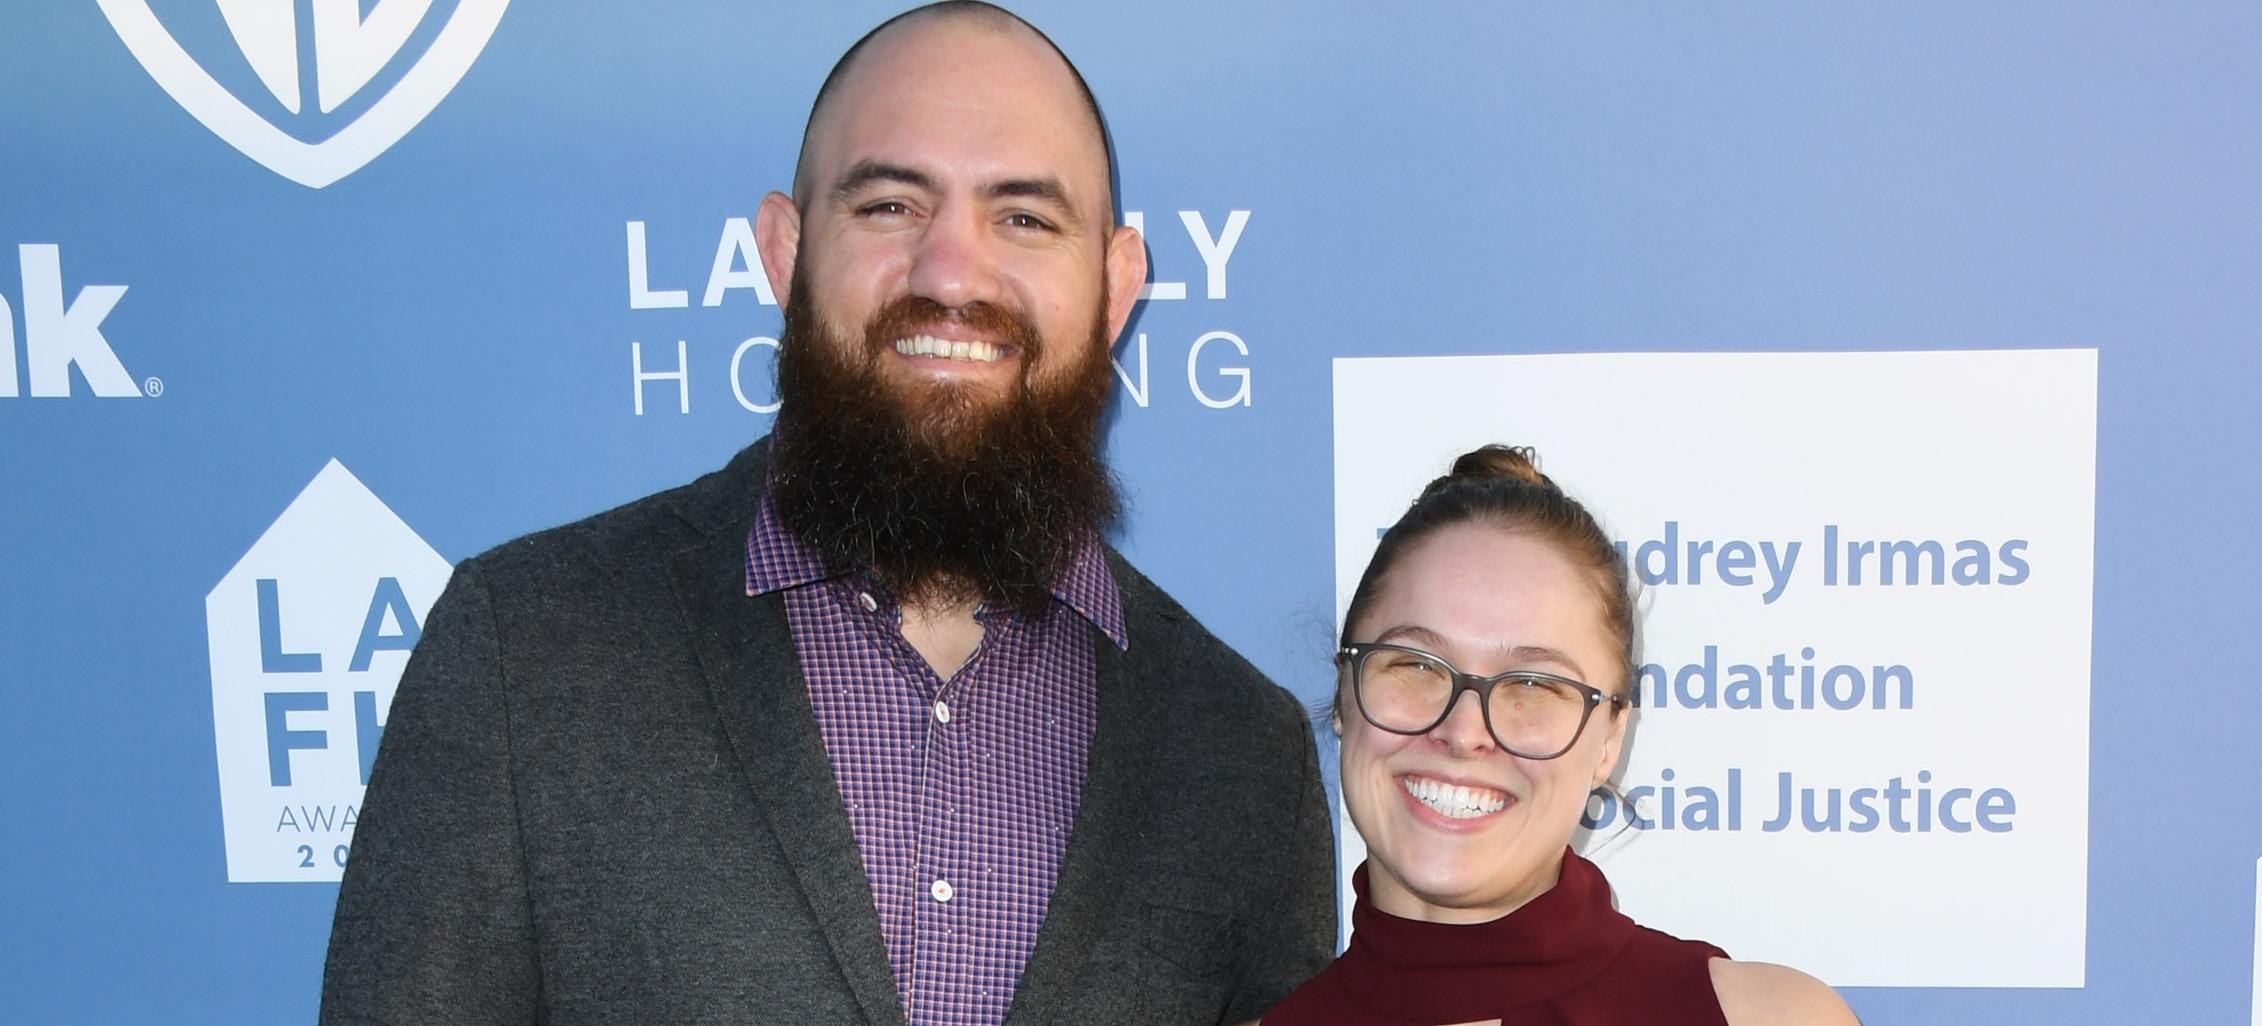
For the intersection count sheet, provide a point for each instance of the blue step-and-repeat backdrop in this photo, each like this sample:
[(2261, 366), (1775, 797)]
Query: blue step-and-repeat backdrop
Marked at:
[(1911, 350)]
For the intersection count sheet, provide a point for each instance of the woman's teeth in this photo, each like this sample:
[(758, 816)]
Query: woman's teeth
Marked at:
[(1452, 800), (949, 349)]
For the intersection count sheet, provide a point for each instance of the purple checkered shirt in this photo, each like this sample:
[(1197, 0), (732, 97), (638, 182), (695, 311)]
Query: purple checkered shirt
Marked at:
[(961, 791)]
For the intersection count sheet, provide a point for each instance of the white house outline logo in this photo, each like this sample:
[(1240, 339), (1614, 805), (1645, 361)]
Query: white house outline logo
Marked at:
[(350, 51)]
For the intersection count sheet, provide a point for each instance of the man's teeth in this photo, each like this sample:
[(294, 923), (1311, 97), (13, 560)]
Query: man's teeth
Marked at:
[(949, 349), (1453, 800)]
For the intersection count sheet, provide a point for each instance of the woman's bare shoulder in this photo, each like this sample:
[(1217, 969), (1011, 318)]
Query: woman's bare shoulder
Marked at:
[(1765, 994)]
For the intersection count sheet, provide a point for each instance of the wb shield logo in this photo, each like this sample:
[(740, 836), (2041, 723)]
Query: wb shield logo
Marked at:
[(308, 635), (313, 99)]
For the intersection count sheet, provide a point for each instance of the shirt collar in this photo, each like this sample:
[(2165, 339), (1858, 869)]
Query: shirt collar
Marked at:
[(777, 560)]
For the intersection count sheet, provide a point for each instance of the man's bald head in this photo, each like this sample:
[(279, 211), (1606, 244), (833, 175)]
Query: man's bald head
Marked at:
[(966, 12)]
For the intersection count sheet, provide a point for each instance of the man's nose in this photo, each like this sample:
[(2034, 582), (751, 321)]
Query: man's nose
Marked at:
[(955, 263)]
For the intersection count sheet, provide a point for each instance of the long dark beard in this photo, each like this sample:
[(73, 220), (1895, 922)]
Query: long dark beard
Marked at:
[(944, 496)]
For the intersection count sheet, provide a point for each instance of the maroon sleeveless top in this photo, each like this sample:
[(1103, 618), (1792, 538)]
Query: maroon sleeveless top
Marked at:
[(1566, 958)]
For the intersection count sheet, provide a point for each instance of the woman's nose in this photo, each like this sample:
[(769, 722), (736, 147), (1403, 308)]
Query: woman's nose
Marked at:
[(1463, 731)]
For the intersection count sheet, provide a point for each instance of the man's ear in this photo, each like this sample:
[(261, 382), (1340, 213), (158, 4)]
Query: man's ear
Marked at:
[(1126, 271), (777, 235)]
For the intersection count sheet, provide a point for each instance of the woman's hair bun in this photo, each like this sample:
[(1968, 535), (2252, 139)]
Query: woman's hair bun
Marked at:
[(1501, 463), (1500, 488)]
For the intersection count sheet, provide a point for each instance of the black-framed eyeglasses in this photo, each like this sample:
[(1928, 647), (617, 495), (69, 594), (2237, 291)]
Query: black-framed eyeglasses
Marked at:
[(1405, 690)]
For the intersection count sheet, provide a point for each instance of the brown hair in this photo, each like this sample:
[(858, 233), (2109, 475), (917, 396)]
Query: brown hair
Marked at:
[(1500, 486)]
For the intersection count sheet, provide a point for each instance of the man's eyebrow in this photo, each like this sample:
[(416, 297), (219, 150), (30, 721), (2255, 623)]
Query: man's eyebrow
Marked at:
[(865, 172), (1045, 188)]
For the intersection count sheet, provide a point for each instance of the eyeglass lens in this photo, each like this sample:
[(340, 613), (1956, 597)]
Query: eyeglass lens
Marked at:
[(1407, 691)]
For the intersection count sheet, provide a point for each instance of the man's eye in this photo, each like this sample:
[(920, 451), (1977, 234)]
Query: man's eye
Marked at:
[(1024, 219), (884, 208)]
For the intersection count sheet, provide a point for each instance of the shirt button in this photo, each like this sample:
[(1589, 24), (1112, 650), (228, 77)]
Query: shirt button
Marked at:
[(941, 890), (942, 712), (870, 604)]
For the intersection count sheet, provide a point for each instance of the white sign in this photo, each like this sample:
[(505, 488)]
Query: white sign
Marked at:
[(1863, 742), (349, 50), (308, 635)]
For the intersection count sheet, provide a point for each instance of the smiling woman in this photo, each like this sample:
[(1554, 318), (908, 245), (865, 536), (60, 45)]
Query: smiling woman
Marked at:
[(1498, 587)]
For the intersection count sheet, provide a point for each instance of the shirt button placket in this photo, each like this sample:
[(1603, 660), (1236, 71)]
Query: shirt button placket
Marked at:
[(935, 953)]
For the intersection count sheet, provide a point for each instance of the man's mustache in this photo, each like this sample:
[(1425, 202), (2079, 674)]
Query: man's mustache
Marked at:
[(908, 316)]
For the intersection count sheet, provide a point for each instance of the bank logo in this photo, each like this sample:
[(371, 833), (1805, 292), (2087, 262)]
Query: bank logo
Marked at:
[(349, 50), (61, 333), (308, 635)]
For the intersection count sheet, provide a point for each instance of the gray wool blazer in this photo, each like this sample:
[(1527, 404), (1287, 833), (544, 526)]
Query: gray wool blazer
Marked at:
[(602, 798)]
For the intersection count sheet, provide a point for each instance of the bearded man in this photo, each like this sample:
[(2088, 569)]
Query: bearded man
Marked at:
[(870, 725)]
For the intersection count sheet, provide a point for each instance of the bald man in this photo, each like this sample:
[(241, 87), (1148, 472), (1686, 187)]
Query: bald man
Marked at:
[(870, 725)]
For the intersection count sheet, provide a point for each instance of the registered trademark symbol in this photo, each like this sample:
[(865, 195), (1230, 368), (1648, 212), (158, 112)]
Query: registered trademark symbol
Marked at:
[(153, 387)]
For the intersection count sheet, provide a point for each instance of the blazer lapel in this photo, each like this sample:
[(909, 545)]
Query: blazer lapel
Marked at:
[(746, 649), (1099, 848)]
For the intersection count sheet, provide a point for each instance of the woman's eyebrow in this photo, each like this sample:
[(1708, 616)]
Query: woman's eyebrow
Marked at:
[(1518, 655), (1418, 633), (1524, 654)]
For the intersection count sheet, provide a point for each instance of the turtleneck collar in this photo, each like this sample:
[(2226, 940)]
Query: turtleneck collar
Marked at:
[(1407, 970)]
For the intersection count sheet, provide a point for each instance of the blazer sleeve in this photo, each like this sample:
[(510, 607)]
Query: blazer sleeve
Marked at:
[(433, 921), (1287, 932)]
